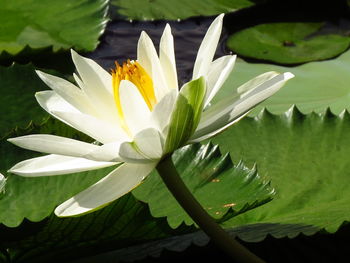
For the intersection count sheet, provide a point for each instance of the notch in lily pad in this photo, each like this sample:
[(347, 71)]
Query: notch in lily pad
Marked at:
[(290, 43)]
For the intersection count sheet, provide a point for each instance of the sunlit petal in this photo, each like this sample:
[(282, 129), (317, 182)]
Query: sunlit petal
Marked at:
[(47, 143), (167, 58), (160, 116), (108, 152), (147, 145), (207, 49), (100, 130), (219, 71), (135, 110), (148, 58), (116, 184), (56, 165), (69, 92), (223, 114), (97, 85)]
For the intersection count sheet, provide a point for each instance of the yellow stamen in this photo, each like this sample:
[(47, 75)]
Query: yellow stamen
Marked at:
[(135, 73)]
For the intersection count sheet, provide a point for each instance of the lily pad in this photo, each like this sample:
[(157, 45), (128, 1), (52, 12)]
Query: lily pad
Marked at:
[(172, 10), (306, 158), (222, 188), (17, 102), (123, 223), (315, 87), (60, 24), (288, 43)]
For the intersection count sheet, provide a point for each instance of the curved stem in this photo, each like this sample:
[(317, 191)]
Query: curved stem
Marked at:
[(176, 186)]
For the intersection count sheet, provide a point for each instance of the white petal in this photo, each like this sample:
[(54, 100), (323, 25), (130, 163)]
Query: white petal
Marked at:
[(55, 165), (51, 101), (69, 92), (207, 48), (147, 145), (219, 71), (225, 113), (2, 183), (116, 184), (148, 58), (54, 144), (100, 130), (97, 85), (209, 132), (135, 110), (161, 113), (167, 58), (108, 152), (130, 154), (65, 112), (92, 73), (255, 82)]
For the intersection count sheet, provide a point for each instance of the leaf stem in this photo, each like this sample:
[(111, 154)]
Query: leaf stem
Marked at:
[(177, 187)]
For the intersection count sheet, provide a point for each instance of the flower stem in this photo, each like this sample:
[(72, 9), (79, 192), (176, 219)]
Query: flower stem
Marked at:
[(177, 187)]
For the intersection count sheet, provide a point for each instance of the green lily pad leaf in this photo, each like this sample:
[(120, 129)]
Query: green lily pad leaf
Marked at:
[(186, 115), (123, 223), (35, 198), (17, 88), (315, 87), (222, 188), (172, 10), (287, 43), (60, 24), (306, 158)]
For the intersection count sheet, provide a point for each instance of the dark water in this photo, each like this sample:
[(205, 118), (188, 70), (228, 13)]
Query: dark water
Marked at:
[(119, 42)]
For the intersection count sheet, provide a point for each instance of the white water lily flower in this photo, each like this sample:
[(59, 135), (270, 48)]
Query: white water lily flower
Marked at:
[(137, 114)]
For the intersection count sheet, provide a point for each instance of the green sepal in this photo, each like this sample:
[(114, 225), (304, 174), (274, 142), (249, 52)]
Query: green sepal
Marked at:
[(186, 115)]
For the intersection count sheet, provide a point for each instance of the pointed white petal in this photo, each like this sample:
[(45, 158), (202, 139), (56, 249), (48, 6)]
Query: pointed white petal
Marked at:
[(207, 48), (218, 73), (55, 165), (116, 184), (224, 114), (135, 110), (69, 92), (50, 101), (97, 85), (147, 145), (100, 130), (255, 82), (92, 73), (161, 113), (78, 81), (148, 58), (167, 58), (54, 144)]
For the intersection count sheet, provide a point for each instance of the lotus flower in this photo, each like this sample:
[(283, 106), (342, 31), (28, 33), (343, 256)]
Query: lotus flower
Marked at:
[(137, 115)]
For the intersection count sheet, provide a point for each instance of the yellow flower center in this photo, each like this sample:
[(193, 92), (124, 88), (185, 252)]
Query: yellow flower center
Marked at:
[(135, 73)]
